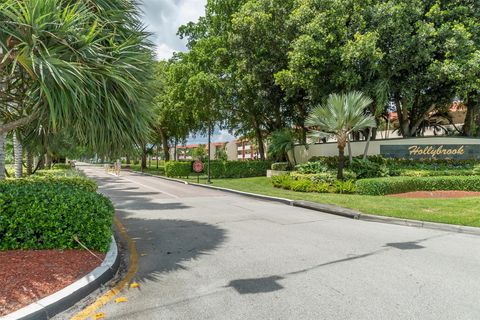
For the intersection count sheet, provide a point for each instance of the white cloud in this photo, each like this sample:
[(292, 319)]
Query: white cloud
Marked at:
[(163, 18)]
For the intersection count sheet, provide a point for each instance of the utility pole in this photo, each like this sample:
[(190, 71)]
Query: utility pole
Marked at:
[(209, 149)]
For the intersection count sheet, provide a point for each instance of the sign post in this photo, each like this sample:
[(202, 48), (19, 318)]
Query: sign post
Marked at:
[(197, 167)]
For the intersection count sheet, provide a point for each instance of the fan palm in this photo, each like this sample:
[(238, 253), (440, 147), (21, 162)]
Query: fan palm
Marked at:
[(82, 65), (282, 143), (341, 115)]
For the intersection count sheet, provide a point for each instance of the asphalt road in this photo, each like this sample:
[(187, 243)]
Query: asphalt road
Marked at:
[(205, 254)]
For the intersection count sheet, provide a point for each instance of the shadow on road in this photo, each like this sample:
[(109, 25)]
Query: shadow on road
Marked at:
[(164, 245)]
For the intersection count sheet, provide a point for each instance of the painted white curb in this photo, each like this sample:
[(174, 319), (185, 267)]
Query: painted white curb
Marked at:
[(39, 305)]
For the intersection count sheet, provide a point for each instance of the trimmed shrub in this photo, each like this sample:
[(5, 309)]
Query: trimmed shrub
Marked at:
[(178, 169), (283, 181), (217, 169), (52, 181), (391, 185), (436, 173), (346, 187), (368, 169), (220, 169), (330, 162), (280, 166), (325, 177), (312, 167), (38, 214), (302, 183)]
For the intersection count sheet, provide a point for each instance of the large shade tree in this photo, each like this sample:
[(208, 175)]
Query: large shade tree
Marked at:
[(81, 65), (341, 115)]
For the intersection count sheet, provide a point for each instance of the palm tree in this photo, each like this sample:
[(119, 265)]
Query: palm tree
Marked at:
[(341, 115), (81, 65), (282, 144)]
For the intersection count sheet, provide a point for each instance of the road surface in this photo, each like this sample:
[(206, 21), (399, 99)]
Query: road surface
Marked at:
[(206, 254)]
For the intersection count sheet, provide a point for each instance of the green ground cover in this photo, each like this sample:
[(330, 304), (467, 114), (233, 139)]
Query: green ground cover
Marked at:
[(54, 209), (462, 211)]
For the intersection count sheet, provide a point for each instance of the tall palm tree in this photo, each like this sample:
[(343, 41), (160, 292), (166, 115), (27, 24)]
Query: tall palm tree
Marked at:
[(341, 115), (81, 65)]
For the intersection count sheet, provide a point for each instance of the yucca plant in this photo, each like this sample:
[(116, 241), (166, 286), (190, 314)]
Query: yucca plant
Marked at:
[(341, 115), (81, 65)]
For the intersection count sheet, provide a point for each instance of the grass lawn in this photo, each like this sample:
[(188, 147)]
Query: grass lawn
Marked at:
[(463, 211)]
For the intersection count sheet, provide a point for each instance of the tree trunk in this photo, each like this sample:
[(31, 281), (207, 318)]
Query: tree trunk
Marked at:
[(3, 136), (48, 161), (144, 159), (165, 147), (18, 156), (350, 156), (261, 147), (365, 153), (175, 150), (341, 161), (127, 161), (29, 163), (469, 126), (373, 134)]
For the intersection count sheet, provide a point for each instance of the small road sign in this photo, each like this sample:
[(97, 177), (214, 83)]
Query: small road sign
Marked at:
[(198, 166)]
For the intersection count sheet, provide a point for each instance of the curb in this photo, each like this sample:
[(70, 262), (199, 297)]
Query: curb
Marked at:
[(62, 300), (338, 211), (247, 194)]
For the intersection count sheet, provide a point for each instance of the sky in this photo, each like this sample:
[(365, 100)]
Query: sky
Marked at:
[(164, 17)]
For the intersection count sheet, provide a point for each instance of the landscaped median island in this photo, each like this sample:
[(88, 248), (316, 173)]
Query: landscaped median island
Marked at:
[(46, 222), (368, 186)]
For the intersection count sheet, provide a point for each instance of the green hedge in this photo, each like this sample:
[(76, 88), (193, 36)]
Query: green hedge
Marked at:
[(47, 214), (245, 169), (391, 185), (53, 181), (178, 169), (220, 169), (280, 166), (298, 184)]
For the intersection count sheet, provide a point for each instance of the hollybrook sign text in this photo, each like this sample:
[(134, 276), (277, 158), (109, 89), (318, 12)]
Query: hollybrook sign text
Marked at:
[(447, 151)]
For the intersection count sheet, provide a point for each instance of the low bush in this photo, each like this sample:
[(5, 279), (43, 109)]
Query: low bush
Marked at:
[(302, 185), (221, 169), (391, 185), (52, 181), (436, 173), (345, 187), (324, 177), (50, 213), (330, 162), (280, 166), (283, 181), (218, 169), (364, 168), (178, 169), (313, 183), (312, 167)]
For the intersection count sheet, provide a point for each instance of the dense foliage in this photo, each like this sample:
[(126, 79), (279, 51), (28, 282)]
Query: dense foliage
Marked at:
[(318, 175), (220, 169), (50, 213), (73, 73), (390, 185), (313, 185)]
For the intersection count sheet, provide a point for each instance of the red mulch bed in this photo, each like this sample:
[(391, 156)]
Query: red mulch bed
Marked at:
[(436, 194), (29, 275)]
